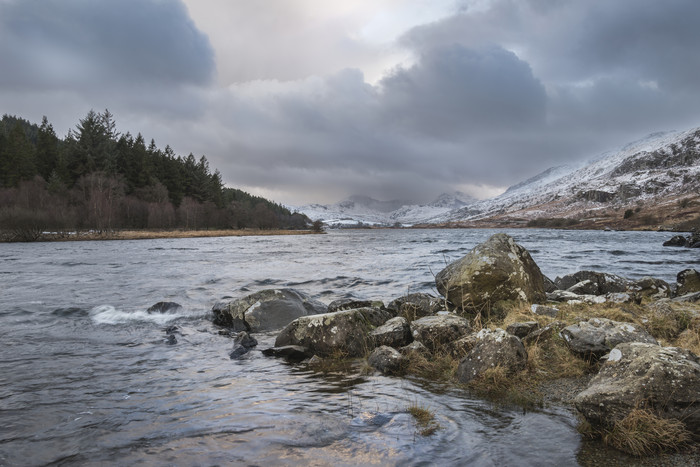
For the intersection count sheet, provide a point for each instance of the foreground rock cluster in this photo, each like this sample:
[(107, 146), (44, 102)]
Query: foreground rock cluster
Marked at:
[(496, 276)]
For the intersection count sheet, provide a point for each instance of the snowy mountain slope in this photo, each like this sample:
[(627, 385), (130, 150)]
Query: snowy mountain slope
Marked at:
[(364, 210), (662, 164)]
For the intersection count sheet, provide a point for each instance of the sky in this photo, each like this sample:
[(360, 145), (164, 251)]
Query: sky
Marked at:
[(311, 101)]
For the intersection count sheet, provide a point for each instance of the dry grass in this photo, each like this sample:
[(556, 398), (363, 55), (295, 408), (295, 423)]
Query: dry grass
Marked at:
[(425, 419), (157, 234), (642, 432), (437, 367)]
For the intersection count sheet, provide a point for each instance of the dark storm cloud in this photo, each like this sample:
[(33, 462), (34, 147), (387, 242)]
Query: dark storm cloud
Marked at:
[(454, 90), (95, 45)]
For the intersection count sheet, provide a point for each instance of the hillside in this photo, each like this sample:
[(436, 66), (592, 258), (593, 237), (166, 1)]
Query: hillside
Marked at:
[(96, 179), (651, 183)]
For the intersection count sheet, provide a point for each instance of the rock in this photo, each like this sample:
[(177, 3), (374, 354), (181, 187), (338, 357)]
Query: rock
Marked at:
[(549, 285), (242, 343), (650, 287), (164, 307), (266, 310), (344, 304), (597, 336), (622, 297), (664, 379), (416, 305), (676, 240), (586, 287), (415, 347), (693, 297), (561, 296), (492, 349), (171, 339), (292, 353), (544, 310), (493, 272), (461, 347), (436, 331), (396, 332), (544, 333), (571, 298), (521, 330), (387, 360), (602, 283), (688, 282), (340, 333)]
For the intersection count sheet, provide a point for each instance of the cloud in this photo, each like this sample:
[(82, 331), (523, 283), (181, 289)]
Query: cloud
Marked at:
[(290, 99), (76, 43)]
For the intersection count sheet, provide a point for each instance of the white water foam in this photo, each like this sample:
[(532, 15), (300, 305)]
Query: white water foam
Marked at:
[(107, 314)]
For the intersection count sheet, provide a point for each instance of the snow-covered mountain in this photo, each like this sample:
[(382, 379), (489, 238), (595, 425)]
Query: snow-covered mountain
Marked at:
[(660, 166), (658, 169), (363, 210)]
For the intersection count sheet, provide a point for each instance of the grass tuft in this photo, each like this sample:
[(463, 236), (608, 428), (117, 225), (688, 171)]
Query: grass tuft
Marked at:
[(425, 419), (642, 432)]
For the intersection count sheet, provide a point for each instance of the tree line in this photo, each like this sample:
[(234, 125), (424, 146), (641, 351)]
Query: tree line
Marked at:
[(100, 180)]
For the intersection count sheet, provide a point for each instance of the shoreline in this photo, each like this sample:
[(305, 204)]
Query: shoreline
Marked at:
[(161, 234)]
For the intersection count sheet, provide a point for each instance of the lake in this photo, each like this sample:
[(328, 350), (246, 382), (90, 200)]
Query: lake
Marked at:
[(87, 377)]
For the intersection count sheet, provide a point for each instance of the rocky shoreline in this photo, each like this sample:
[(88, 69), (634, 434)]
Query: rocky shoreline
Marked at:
[(623, 353)]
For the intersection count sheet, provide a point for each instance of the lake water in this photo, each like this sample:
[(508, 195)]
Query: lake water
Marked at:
[(87, 378)]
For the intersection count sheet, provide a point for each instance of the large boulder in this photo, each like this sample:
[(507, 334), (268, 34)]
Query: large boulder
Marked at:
[(344, 333), (492, 349), (688, 282), (396, 332), (493, 272), (436, 331), (601, 283), (266, 310), (664, 379), (387, 360), (597, 336)]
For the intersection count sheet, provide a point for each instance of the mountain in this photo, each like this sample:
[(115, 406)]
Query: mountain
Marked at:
[(650, 183), (363, 210), (655, 178)]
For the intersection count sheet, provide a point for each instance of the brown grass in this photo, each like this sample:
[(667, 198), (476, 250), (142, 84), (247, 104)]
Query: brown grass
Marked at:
[(437, 367), (425, 419), (642, 432), (157, 234)]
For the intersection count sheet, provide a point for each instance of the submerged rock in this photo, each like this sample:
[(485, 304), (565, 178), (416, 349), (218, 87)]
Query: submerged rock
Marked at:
[(396, 332), (492, 349), (665, 379), (345, 333), (597, 336), (436, 331), (496, 271), (164, 307), (387, 360), (292, 353), (242, 343), (416, 305), (266, 310)]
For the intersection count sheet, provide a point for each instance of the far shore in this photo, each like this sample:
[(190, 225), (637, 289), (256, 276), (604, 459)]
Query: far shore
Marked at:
[(157, 234)]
